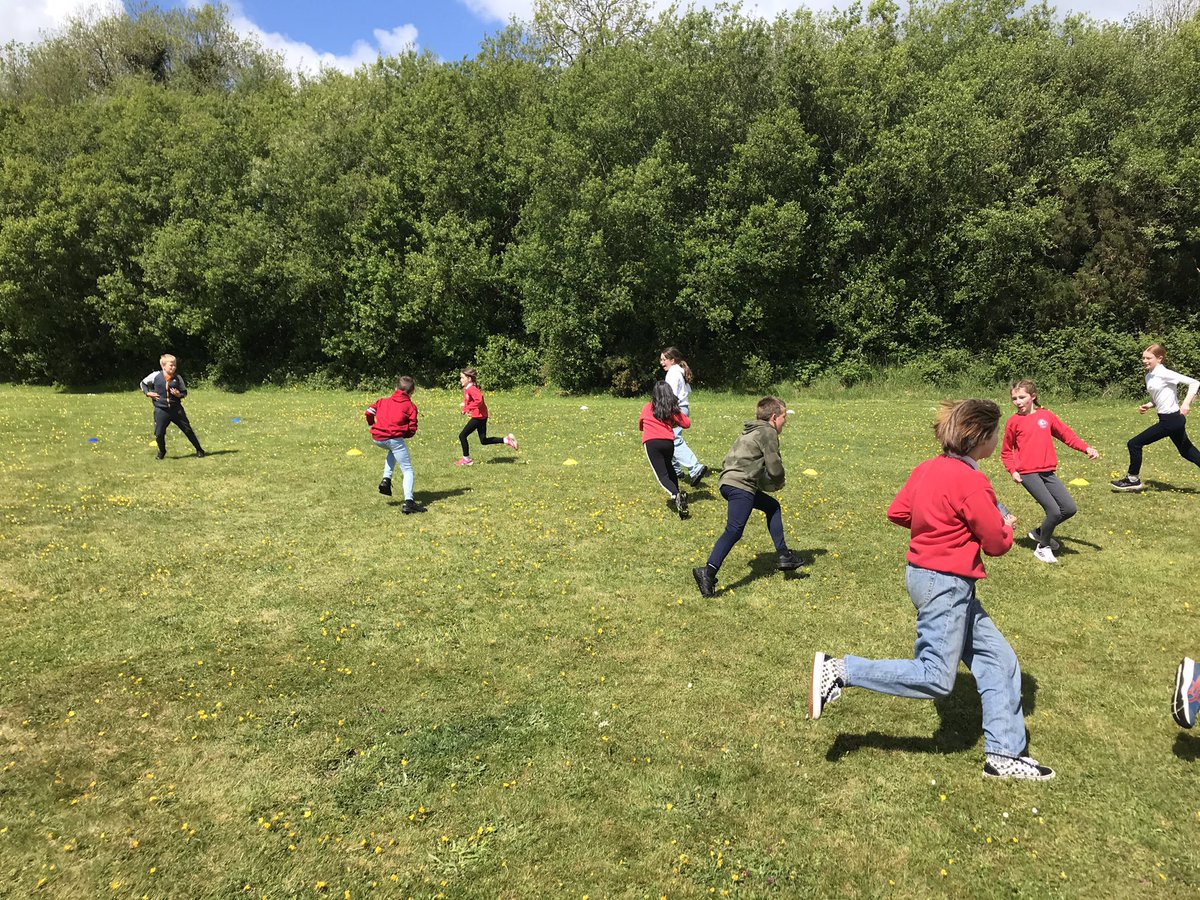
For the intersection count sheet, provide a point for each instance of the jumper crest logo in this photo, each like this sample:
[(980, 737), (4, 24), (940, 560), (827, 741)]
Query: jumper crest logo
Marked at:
[(1043, 423)]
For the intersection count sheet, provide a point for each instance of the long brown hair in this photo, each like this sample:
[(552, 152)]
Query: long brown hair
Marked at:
[(1028, 387), (673, 354)]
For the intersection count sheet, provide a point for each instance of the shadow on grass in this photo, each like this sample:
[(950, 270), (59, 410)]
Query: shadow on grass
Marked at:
[(220, 452), (1187, 747), (501, 461), (430, 497), (1065, 547), (959, 727), (1166, 486), (766, 564)]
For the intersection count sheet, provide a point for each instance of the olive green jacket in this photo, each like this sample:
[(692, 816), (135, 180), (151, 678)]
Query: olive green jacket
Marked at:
[(753, 463)]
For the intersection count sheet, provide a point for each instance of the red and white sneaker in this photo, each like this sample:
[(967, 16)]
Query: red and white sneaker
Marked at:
[(464, 461), (512, 442)]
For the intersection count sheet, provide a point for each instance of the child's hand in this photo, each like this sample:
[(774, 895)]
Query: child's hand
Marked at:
[(175, 391), (1016, 477), (1010, 520), (153, 395), (1185, 408), (1092, 453), (1145, 406)]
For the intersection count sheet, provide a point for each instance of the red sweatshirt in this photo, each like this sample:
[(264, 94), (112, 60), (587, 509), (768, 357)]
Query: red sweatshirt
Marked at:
[(1027, 443), (473, 404), (950, 509), (392, 417), (653, 429)]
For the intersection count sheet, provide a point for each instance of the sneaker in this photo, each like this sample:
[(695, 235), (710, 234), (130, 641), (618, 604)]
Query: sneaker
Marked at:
[(828, 679), (681, 505), (464, 461), (700, 473), (1036, 537), (200, 454), (706, 580), (411, 506), (1021, 768), (512, 442), (1130, 483), (161, 454), (1045, 554), (790, 559), (1185, 703), (385, 487)]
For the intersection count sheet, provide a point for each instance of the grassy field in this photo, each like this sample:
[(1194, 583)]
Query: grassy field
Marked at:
[(251, 676)]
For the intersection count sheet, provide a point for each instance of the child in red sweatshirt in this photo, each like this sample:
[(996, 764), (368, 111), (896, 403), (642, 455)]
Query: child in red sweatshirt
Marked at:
[(950, 509), (473, 406), (657, 423), (392, 420), (1028, 454)]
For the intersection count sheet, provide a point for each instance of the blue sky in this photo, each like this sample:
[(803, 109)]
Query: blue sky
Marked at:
[(346, 33)]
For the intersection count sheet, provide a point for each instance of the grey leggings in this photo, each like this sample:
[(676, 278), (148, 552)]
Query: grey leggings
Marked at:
[(1052, 495)]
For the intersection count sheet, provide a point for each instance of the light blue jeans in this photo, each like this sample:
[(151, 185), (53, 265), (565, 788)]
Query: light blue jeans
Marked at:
[(397, 452), (684, 457), (952, 626)]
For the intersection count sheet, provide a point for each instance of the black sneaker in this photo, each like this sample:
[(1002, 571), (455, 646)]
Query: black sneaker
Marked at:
[(827, 683), (790, 559), (706, 580), (411, 506), (1128, 484), (701, 472), (161, 454), (681, 505), (1019, 768), (385, 487), (200, 454)]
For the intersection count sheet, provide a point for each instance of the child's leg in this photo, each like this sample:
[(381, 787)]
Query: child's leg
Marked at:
[(179, 417), (400, 452), (659, 453), (1052, 495), (943, 605), (998, 677), (684, 457), (1155, 432), (737, 514), (471, 425), (162, 418), (770, 506), (483, 435), (1185, 447), (389, 461)]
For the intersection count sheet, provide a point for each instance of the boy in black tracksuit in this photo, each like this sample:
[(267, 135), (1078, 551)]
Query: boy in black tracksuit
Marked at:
[(167, 389)]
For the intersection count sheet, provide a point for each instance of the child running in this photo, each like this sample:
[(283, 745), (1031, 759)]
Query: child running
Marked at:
[(656, 422), (1161, 385), (679, 377), (1028, 455), (751, 467), (393, 420), (1185, 702), (950, 509), (474, 407), (167, 389)]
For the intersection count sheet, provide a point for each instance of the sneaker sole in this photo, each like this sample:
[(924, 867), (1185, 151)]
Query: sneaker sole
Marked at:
[(814, 689), (1184, 676), (1133, 489)]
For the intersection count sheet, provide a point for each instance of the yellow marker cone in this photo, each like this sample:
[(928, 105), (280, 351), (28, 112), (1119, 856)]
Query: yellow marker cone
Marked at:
[(354, 451), (1079, 482), (812, 473), (570, 462)]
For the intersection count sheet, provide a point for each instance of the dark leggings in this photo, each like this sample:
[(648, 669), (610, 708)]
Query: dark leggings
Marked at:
[(1172, 425), (661, 452), (738, 514), (479, 425), (164, 417), (1052, 495)]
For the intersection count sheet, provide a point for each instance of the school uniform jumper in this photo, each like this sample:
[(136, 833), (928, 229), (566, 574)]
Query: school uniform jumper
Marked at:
[(658, 440), (474, 407), (392, 420), (1028, 450)]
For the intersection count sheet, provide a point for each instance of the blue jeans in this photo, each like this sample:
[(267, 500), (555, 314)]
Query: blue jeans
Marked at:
[(397, 452), (737, 514), (684, 457), (952, 626)]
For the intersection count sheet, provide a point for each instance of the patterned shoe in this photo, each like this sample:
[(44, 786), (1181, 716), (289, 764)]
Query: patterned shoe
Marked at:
[(1019, 768), (681, 505), (828, 679), (1185, 703)]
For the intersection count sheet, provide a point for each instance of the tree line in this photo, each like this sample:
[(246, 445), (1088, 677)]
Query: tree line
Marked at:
[(964, 181)]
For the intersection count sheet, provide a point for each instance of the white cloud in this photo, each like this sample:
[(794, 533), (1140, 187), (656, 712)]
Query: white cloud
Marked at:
[(28, 21), (301, 57)]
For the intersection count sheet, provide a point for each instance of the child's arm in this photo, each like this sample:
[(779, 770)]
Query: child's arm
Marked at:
[(146, 384), (370, 414), (773, 477), (1059, 429), (1192, 386), (900, 511), (986, 522), (410, 426), (682, 420), (1008, 450), (181, 391)]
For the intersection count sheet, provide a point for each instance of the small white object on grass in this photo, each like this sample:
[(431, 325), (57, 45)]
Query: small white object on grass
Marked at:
[(583, 407), (791, 412)]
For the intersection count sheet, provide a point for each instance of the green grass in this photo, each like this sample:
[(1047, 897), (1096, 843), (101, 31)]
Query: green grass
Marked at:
[(250, 675)]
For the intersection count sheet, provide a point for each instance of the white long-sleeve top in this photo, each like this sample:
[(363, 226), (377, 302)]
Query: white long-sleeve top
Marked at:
[(679, 384), (1162, 385)]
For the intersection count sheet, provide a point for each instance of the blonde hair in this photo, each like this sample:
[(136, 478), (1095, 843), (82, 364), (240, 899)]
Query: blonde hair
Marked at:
[(768, 407), (1028, 387), (962, 425), (162, 359)]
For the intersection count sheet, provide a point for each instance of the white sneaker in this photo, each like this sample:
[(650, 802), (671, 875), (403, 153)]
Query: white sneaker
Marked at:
[(828, 679), (1045, 554), (512, 442), (1021, 768)]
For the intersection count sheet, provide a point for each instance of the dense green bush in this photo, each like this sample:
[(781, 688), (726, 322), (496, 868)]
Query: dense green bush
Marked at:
[(505, 362)]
